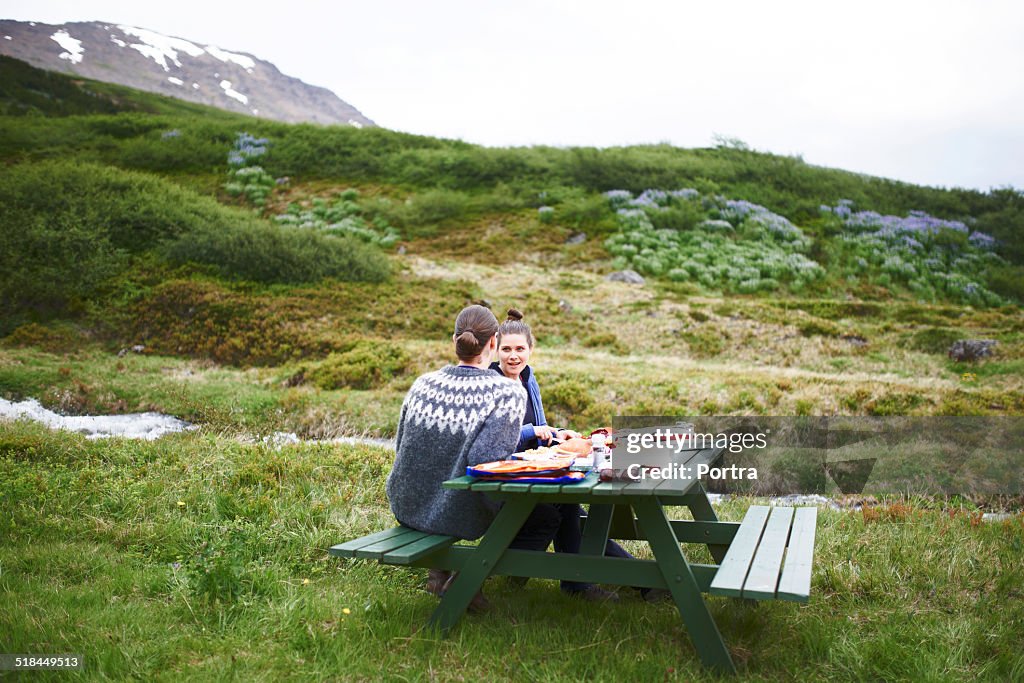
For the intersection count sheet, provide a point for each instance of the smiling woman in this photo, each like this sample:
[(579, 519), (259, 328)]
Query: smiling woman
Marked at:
[(515, 346)]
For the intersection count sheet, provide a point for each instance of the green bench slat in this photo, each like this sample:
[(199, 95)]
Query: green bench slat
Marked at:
[(348, 548), (376, 551), (795, 583), (418, 549), (763, 579), (460, 484), (733, 570)]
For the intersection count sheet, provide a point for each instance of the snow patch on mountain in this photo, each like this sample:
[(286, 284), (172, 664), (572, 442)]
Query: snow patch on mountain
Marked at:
[(226, 85), (159, 47), (243, 61), (73, 47)]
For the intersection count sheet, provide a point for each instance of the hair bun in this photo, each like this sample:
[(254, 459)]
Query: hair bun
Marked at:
[(514, 314)]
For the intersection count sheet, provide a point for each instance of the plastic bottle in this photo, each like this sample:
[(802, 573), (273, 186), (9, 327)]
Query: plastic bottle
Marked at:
[(601, 452)]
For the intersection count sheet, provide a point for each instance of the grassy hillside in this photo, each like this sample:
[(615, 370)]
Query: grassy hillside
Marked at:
[(135, 219)]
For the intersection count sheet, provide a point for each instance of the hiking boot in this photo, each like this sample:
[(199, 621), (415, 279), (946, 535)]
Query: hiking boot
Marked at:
[(478, 604), (437, 580), (594, 594), (655, 594)]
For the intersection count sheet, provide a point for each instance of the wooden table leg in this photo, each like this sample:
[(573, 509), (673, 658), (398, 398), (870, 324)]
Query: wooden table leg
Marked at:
[(700, 508), (473, 573), (681, 582), (595, 533)]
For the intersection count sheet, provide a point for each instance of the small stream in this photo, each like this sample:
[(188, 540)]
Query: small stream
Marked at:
[(148, 426)]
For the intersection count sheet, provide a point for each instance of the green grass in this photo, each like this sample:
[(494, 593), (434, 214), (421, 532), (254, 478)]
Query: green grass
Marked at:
[(106, 546)]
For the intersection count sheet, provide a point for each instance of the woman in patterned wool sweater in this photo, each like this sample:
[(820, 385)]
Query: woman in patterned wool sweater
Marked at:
[(451, 418)]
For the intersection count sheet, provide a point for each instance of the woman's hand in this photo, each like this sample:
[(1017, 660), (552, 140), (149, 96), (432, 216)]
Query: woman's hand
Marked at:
[(544, 433), (566, 434)]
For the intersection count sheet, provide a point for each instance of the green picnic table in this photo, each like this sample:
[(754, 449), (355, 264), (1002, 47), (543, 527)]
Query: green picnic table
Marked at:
[(767, 556)]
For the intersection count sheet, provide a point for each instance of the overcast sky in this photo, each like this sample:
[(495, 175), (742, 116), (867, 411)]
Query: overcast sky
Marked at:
[(927, 92)]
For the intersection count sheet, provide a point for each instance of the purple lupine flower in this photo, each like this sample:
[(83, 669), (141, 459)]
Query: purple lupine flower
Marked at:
[(911, 242), (618, 197), (657, 196), (982, 240), (246, 147)]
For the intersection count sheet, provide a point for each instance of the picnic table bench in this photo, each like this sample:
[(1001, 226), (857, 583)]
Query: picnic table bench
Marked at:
[(766, 556)]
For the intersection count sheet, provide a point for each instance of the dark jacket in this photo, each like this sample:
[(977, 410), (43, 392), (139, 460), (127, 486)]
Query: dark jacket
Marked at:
[(527, 435)]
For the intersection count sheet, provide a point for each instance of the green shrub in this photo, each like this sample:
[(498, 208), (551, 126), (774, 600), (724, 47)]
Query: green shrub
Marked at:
[(822, 328), (246, 326), (569, 395), (419, 214), (704, 342), (48, 266), (367, 365), (698, 316), (70, 226), (262, 252), (894, 403), (52, 339), (1007, 281), (934, 339), (606, 340), (133, 211), (588, 213)]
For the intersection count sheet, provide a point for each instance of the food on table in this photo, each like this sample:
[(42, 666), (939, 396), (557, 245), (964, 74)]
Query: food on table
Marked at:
[(575, 446)]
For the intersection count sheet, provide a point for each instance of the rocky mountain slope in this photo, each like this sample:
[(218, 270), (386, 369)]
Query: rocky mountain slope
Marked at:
[(147, 60)]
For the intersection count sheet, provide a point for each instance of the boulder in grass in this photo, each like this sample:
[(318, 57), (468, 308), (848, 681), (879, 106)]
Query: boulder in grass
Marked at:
[(628, 276), (971, 349), (576, 238)]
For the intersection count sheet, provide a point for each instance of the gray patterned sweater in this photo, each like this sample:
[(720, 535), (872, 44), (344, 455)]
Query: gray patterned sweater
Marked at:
[(452, 418)]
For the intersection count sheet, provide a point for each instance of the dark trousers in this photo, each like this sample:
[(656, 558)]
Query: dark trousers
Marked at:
[(570, 537), (558, 522), (539, 529)]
